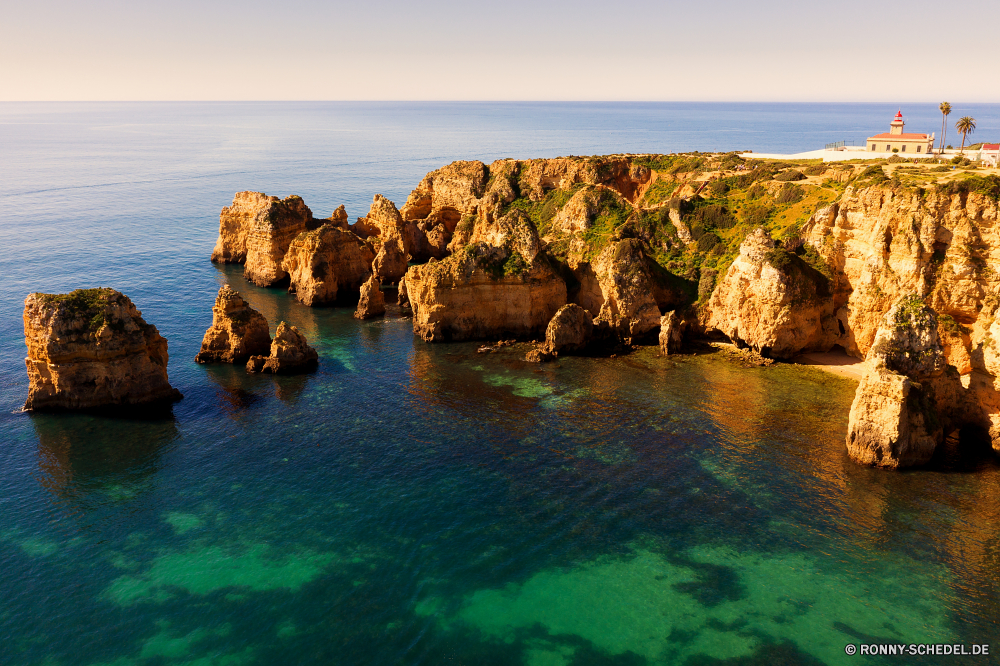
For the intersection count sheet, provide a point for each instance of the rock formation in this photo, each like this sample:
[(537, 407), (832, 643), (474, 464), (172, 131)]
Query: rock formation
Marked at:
[(884, 242), (671, 335), (894, 419), (91, 348), (773, 302), (384, 225), (372, 301), (569, 330), (327, 264), (442, 199), (256, 231), (237, 332), (290, 354), (499, 285)]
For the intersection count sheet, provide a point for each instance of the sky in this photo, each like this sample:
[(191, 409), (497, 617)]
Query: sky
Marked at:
[(698, 50)]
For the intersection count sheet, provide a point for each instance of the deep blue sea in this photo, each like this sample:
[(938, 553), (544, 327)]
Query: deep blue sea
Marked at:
[(424, 504)]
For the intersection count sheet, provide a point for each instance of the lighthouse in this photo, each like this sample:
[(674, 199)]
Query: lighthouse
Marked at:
[(897, 141)]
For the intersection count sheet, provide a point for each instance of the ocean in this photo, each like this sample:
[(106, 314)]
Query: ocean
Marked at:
[(424, 504)]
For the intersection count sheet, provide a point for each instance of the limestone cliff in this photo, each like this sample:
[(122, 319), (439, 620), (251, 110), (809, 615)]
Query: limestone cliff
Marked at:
[(500, 284), (385, 226), (773, 302), (885, 241), (237, 332), (256, 231), (894, 419), (327, 264), (436, 206), (91, 348)]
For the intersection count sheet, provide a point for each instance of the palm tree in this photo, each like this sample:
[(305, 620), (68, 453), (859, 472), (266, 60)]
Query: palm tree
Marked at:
[(945, 111), (965, 125)]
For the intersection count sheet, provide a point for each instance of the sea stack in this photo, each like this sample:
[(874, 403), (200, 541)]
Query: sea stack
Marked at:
[(290, 354), (237, 332), (894, 420), (91, 348), (372, 301)]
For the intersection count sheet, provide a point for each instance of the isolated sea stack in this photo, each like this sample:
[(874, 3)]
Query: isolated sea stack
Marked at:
[(237, 332), (290, 354), (91, 348)]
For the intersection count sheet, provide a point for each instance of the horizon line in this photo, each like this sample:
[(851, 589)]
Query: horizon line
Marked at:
[(467, 101)]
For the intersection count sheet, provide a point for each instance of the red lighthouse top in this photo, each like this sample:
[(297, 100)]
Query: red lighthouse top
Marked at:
[(899, 115)]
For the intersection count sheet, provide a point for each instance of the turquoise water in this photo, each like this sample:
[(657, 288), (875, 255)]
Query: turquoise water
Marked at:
[(425, 504)]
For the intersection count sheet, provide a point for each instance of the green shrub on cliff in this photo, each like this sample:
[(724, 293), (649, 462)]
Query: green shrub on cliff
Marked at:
[(988, 186), (791, 174), (86, 303)]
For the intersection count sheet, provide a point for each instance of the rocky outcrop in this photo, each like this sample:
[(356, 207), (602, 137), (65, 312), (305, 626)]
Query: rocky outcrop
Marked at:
[(671, 335), (442, 199), (256, 231), (499, 285), (774, 302), (327, 265), (884, 242), (385, 226), (570, 330), (91, 348), (894, 419), (290, 354), (633, 289), (372, 301), (237, 332)]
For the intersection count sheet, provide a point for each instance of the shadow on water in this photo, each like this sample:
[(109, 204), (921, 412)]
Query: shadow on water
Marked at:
[(116, 455)]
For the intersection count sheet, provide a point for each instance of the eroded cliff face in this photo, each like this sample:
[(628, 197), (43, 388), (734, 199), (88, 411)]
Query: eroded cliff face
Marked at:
[(91, 348), (237, 332), (256, 230), (442, 199), (386, 230), (327, 264), (774, 302), (894, 419), (500, 284), (884, 242)]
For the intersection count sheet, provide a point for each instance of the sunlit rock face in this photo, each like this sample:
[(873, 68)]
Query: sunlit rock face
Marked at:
[(327, 265), (773, 302), (256, 231), (499, 284), (237, 332), (894, 420), (91, 348), (290, 354)]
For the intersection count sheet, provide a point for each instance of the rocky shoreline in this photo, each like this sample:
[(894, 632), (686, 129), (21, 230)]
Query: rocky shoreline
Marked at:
[(594, 254)]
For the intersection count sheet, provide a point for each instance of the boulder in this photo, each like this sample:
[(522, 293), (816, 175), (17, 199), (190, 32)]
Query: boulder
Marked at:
[(237, 332), (372, 301), (256, 231), (894, 419), (290, 354), (569, 330), (671, 336), (327, 265), (91, 348)]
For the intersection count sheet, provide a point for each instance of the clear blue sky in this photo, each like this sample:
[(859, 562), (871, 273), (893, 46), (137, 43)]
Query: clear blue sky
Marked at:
[(769, 50)]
